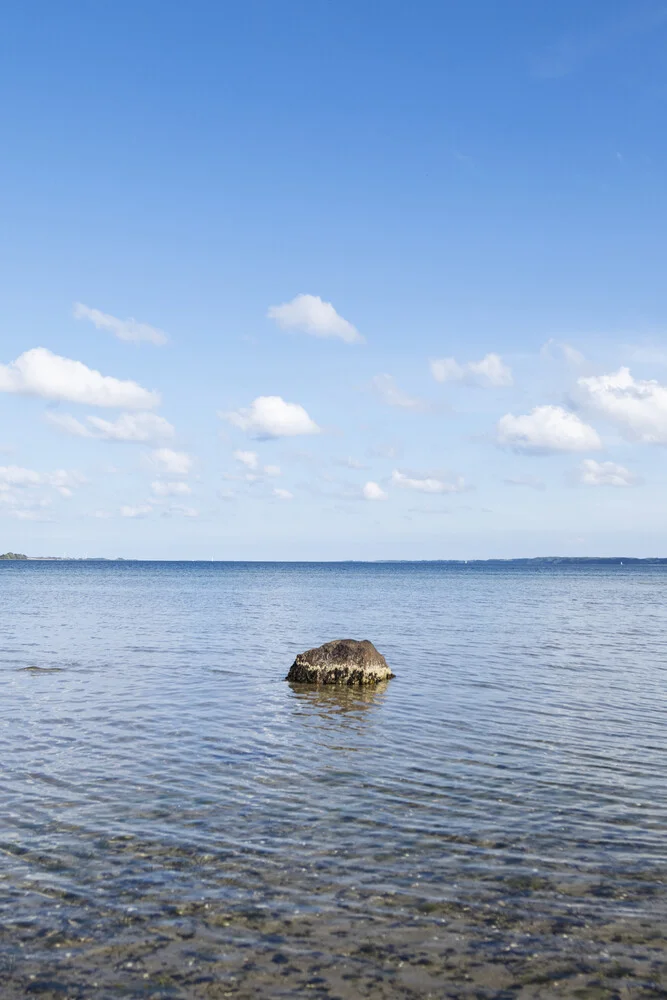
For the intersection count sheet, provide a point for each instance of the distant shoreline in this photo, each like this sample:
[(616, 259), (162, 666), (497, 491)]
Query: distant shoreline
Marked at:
[(518, 561)]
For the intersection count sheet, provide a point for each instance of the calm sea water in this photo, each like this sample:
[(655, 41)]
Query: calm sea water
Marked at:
[(178, 821)]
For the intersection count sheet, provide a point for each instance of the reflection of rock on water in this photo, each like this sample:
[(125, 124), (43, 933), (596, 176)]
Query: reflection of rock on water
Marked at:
[(329, 701)]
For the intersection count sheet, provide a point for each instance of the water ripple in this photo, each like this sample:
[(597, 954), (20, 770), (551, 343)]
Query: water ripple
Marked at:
[(153, 757)]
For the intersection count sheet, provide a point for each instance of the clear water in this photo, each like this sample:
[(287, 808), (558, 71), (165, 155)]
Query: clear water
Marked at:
[(177, 821)]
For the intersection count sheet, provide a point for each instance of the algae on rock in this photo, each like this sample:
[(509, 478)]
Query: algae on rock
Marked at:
[(343, 661)]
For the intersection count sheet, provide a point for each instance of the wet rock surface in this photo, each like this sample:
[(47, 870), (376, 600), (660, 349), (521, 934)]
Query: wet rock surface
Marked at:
[(343, 661)]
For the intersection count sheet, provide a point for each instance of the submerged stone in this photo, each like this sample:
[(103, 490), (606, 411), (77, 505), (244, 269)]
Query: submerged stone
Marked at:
[(343, 661)]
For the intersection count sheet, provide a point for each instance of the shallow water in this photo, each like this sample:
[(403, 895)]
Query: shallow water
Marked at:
[(177, 821)]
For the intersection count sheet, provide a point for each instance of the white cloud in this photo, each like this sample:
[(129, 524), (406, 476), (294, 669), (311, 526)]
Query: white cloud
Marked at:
[(546, 429), (592, 473), (138, 427), (491, 371), (16, 507), (23, 489), (173, 463), (64, 482), (143, 510), (373, 491), (430, 484), (446, 370), (38, 372), (248, 458), (251, 461), (142, 427), (272, 417), (169, 489), (386, 388), (124, 329), (637, 407), (13, 476), (23, 498), (283, 494), (310, 314)]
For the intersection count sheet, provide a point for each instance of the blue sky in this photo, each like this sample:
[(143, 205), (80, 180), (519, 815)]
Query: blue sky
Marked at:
[(395, 276)]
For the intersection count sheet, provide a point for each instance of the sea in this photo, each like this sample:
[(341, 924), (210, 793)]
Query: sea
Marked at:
[(178, 821)]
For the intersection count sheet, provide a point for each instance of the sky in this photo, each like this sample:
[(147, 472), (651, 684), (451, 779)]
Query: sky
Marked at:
[(301, 279)]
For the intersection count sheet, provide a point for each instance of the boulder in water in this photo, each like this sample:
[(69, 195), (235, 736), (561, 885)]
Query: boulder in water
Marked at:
[(343, 661)]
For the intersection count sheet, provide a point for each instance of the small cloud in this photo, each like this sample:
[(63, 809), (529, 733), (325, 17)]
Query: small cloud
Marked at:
[(248, 458), (637, 407), (373, 491), (144, 428), (61, 479), (491, 371), (143, 510), (25, 508), (172, 463), (428, 484), (14, 475), (385, 387), (272, 417), (545, 430), (272, 470), (310, 314), (138, 427), (592, 473), (168, 489), (125, 329), (39, 372), (14, 478), (282, 494), (530, 481)]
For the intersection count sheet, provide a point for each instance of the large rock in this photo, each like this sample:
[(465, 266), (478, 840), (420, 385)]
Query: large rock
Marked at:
[(343, 661)]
